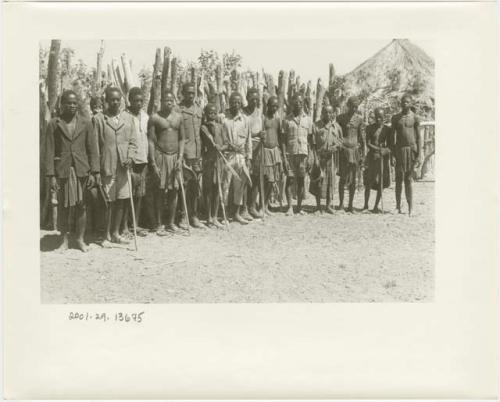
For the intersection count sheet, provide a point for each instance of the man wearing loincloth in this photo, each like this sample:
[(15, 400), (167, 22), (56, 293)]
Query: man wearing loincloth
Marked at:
[(166, 150), (72, 164), (191, 122), (213, 143), (406, 150), (326, 139), (254, 115), (378, 137), (352, 151), (270, 144)]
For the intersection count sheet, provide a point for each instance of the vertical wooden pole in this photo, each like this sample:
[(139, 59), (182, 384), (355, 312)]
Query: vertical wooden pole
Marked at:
[(55, 47), (155, 94)]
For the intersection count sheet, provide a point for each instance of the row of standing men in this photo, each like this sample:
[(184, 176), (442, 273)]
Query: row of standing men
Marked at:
[(226, 160)]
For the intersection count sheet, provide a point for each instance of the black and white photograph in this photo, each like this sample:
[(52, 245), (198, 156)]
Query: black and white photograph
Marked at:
[(242, 200), (237, 171)]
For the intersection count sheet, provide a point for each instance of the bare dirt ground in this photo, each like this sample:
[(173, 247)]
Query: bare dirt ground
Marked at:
[(360, 257)]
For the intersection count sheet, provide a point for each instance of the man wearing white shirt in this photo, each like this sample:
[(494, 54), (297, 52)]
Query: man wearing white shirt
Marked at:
[(140, 127)]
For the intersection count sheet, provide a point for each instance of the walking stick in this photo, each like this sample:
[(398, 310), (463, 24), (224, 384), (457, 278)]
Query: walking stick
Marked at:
[(221, 200), (332, 172), (261, 177), (129, 181), (183, 194), (381, 181)]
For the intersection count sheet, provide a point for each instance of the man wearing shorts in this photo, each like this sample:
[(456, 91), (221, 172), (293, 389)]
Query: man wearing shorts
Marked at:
[(297, 129)]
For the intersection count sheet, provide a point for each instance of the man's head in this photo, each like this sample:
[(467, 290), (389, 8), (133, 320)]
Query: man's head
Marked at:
[(168, 101), (210, 112), (69, 103), (113, 98), (253, 98), (188, 93), (272, 105), (235, 102), (406, 102), (327, 114), (379, 116), (298, 103), (95, 104), (353, 104), (136, 99)]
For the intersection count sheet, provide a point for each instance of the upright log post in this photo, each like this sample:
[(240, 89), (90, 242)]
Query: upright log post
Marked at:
[(55, 47), (174, 75), (271, 87), (98, 83), (128, 81), (155, 93), (291, 86), (331, 83), (282, 76), (165, 71), (309, 99), (320, 94)]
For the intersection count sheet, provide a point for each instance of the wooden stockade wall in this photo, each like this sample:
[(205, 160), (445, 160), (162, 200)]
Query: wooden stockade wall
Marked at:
[(211, 86)]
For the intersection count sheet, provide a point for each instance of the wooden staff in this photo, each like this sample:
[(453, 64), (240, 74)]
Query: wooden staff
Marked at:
[(183, 194), (129, 181), (381, 181), (261, 178), (221, 199)]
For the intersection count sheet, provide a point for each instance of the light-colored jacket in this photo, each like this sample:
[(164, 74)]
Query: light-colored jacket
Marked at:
[(116, 140)]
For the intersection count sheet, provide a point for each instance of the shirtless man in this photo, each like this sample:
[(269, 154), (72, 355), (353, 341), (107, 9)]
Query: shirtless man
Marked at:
[(191, 122), (271, 141), (254, 115), (406, 146), (352, 151), (166, 150), (377, 141)]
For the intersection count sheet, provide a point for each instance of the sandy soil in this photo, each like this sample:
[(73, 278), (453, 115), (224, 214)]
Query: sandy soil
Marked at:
[(359, 257)]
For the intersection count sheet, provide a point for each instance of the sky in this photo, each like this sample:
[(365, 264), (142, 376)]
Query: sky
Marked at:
[(309, 58)]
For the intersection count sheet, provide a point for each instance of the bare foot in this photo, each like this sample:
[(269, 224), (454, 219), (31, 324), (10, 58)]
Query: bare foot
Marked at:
[(217, 224), (195, 222), (255, 214), (289, 212), (171, 228), (65, 243), (240, 219), (329, 210), (80, 245), (118, 240), (183, 224), (268, 212), (246, 216)]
